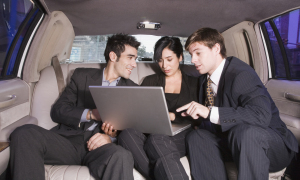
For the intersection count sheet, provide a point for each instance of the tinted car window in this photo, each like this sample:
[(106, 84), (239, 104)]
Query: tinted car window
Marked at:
[(277, 56), (283, 40), (288, 26), (12, 15)]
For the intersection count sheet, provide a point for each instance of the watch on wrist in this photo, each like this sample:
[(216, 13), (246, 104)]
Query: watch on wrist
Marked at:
[(90, 114)]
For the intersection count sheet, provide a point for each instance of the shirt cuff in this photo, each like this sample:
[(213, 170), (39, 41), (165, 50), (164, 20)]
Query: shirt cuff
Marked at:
[(214, 115), (83, 116), (113, 139)]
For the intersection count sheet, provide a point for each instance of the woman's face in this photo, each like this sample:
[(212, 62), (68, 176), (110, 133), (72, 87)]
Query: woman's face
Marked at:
[(169, 62)]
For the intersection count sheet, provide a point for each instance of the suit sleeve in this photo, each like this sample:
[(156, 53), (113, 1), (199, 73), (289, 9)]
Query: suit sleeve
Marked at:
[(250, 103), (65, 110)]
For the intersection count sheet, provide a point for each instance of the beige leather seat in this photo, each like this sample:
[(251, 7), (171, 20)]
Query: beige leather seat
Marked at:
[(46, 93)]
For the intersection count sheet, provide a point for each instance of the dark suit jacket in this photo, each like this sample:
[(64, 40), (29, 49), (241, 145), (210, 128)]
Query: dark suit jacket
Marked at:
[(188, 92), (76, 97), (242, 98)]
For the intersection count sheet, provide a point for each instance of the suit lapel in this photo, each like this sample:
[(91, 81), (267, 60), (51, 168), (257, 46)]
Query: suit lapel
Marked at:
[(202, 92), (122, 82), (93, 80), (219, 99)]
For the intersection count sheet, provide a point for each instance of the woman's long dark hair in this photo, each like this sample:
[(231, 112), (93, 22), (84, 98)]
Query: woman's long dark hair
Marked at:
[(172, 43)]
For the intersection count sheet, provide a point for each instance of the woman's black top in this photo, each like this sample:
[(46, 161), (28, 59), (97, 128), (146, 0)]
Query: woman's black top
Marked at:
[(189, 92)]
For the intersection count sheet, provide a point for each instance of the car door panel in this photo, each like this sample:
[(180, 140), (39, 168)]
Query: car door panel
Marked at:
[(289, 109), (16, 92)]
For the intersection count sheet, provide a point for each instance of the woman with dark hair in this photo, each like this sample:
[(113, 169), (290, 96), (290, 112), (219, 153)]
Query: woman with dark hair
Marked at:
[(157, 156)]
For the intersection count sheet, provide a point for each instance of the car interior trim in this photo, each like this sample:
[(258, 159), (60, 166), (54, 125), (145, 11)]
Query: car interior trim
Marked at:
[(3, 145), (56, 39), (282, 49), (269, 50), (249, 47), (266, 53), (292, 97), (10, 116), (8, 102), (28, 43)]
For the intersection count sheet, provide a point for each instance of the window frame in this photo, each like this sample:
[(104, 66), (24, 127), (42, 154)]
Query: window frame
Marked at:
[(281, 46), (25, 41)]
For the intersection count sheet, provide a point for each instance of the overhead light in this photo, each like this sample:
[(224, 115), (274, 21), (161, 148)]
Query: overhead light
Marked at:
[(148, 25)]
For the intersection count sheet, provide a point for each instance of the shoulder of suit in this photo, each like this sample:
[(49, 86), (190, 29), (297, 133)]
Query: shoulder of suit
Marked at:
[(190, 79), (129, 82), (238, 65), (152, 77)]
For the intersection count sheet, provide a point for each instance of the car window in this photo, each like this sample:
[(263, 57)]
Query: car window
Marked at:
[(16, 16), (283, 41), (91, 48)]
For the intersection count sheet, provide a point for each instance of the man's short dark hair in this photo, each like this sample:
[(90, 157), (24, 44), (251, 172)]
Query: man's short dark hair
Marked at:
[(117, 42), (172, 43), (209, 37)]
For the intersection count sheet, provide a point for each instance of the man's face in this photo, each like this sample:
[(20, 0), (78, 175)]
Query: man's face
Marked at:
[(204, 58), (126, 62)]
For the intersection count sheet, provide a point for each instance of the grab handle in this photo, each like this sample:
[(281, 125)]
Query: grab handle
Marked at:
[(292, 97), (8, 102)]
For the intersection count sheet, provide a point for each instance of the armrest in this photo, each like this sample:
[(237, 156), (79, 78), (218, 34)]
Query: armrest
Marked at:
[(5, 132), (3, 145)]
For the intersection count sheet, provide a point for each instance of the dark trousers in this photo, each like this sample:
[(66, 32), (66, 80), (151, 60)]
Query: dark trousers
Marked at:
[(32, 146), (255, 151), (156, 156)]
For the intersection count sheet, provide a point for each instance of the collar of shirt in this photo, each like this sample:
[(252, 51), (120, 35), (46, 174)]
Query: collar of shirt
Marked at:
[(215, 77), (107, 83)]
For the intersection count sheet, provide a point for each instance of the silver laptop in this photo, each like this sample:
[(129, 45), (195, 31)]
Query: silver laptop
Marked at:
[(141, 108)]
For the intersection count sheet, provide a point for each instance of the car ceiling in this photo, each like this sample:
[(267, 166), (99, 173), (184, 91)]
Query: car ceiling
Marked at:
[(177, 17)]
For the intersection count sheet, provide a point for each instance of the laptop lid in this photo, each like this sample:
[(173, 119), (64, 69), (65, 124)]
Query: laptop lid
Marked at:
[(141, 108)]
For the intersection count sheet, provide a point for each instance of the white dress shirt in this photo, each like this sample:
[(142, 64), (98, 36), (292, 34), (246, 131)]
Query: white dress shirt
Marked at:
[(215, 78)]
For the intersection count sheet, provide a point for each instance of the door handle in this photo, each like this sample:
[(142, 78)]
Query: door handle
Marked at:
[(291, 97), (8, 102)]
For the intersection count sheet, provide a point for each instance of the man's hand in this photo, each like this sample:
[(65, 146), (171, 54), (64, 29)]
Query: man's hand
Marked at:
[(172, 116), (195, 110), (95, 115), (97, 140), (109, 130)]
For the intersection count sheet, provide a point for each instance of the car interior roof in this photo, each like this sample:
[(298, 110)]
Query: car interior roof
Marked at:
[(178, 18)]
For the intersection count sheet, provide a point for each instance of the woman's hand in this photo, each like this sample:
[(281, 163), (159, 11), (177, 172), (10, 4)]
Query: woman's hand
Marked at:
[(172, 116)]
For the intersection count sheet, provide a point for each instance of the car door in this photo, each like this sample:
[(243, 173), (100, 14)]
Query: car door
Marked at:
[(19, 20), (280, 37), (241, 42)]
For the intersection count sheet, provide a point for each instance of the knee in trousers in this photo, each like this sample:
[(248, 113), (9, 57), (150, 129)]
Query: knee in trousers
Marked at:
[(23, 131), (244, 133)]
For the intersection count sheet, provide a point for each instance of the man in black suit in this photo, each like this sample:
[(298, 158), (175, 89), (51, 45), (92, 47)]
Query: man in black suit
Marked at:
[(78, 139), (240, 121)]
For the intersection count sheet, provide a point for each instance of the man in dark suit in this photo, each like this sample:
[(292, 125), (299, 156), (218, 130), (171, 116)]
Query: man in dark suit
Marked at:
[(78, 139), (240, 121)]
